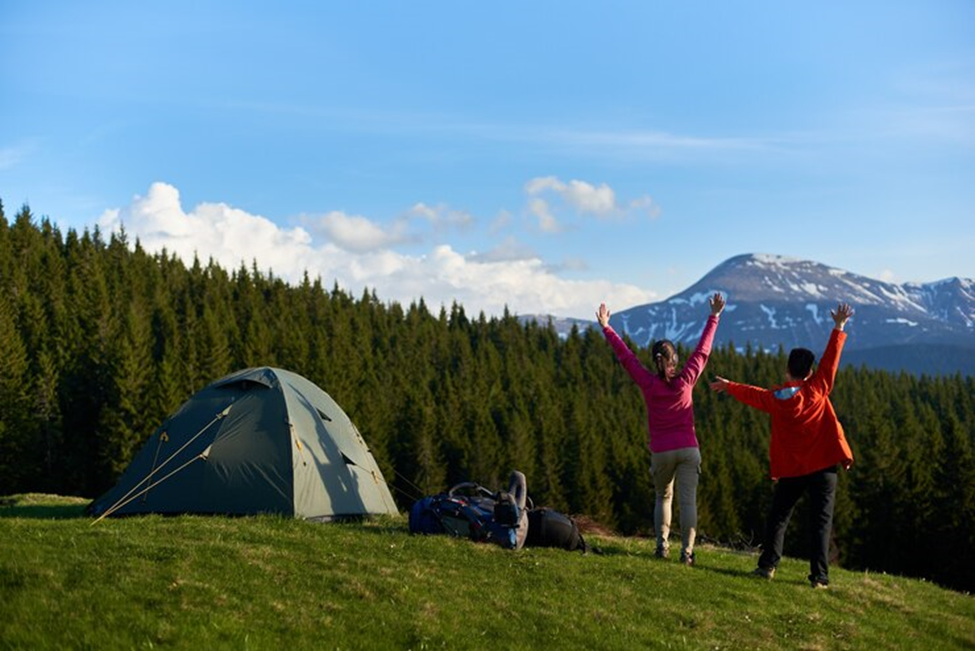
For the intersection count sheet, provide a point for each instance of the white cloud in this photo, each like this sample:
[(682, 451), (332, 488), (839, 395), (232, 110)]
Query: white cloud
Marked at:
[(589, 198), (510, 275), (582, 197), (425, 211), (543, 183), (546, 220), (358, 234), (212, 230), (508, 251), (645, 205), (442, 216)]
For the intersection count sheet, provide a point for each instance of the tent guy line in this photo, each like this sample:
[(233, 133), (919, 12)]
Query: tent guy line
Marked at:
[(202, 455)]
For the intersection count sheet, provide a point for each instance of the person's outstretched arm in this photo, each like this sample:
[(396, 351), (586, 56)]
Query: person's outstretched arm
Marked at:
[(627, 357), (822, 381), (699, 358), (756, 397)]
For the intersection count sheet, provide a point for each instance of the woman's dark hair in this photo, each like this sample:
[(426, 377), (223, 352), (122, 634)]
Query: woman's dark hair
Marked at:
[(662, 351)]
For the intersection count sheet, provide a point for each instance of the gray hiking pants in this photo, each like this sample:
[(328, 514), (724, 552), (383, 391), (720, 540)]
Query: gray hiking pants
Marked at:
[(682, 466)]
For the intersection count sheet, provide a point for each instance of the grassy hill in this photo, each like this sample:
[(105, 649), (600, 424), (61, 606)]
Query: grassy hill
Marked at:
[(270, 582)]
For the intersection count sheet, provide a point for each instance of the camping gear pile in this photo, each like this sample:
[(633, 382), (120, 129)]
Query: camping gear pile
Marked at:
[(266, 440), (506, 518)]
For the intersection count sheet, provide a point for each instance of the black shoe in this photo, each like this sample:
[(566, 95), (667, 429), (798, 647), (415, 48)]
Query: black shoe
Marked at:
[(687, 559), (764, 572), (661, 552)]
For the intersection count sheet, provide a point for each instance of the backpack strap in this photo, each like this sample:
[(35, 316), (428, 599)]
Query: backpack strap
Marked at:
[(469, 487), (458, 507)]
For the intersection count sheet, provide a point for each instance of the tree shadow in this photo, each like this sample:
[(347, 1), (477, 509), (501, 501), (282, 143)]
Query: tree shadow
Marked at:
[(18, 507)]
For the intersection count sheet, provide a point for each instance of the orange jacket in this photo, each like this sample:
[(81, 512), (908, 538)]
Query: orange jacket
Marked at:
[(806, 435)]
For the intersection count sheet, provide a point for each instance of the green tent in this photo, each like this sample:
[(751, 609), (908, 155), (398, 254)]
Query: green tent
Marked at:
[(262, 440)]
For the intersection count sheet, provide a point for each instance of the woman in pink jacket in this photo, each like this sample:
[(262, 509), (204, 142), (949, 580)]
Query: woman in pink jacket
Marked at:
[(674, 452)]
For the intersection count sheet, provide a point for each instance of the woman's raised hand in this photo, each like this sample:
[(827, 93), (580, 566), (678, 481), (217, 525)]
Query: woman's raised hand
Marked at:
[(602, 315), (717, 303)]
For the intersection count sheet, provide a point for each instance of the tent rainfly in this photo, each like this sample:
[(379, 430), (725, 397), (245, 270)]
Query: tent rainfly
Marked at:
[(261, 440)]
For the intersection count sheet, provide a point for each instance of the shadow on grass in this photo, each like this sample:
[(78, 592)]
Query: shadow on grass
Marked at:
[(16, 507), (747, 574)]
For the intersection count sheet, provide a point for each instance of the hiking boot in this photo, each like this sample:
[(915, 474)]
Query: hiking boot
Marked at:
[(687, 559), (764, 572), (817, 584), (661, 552)]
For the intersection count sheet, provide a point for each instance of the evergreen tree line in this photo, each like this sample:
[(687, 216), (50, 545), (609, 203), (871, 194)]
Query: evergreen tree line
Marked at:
[(100, 341)]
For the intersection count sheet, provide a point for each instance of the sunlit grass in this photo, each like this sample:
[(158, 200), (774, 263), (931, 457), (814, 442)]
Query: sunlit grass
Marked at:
[(270, 582)]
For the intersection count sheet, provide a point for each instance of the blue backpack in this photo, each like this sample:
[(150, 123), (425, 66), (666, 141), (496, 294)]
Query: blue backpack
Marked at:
[(469, 510)]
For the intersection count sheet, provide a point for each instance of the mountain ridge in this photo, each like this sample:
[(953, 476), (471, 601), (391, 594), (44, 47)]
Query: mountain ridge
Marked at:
[(779, 301)]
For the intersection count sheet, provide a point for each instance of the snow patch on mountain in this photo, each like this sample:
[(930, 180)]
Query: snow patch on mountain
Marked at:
[(903, 321), (695, 298), (778, 301), (814, 310)]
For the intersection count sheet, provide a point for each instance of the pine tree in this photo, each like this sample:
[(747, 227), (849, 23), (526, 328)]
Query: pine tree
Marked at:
[(15, 431), (125, 422), (50, 432)]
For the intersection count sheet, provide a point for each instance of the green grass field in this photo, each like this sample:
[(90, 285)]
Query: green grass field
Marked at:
[(270, 583)]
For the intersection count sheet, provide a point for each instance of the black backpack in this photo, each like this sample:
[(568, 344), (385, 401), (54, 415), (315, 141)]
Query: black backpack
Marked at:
[(549, 528)]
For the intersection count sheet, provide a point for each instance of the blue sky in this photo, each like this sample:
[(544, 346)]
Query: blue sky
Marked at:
[(541, 155)]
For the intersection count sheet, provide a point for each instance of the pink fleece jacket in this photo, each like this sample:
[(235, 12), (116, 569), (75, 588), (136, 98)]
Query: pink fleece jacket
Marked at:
[(670, 409)]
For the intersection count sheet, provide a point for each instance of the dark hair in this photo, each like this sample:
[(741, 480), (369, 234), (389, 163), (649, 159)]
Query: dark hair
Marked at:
[(800, 362), (662, 351)]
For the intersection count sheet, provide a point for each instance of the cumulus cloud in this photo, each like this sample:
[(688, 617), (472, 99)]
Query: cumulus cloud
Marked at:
[(509, 250), (442, 216), (358, 234), (646, 206), (356, 253), (546, 220), (581, 197), (212, 230)]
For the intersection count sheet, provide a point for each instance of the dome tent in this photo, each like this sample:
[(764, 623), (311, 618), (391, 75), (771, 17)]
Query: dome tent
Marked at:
[(261, 440)]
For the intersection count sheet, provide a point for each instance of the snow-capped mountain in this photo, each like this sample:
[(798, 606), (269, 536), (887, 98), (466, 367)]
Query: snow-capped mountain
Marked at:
[(779, 301)]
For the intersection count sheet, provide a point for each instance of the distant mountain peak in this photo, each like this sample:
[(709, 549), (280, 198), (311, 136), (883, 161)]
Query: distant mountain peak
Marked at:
[(777, 300)]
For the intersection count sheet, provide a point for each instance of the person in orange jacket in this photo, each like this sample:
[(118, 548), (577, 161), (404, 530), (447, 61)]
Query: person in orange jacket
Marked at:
[(807, 446)]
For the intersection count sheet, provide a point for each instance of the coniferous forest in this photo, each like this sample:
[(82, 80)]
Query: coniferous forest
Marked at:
[(100, 341)]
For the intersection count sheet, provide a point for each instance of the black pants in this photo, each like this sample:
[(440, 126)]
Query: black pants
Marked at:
[(821, 487)]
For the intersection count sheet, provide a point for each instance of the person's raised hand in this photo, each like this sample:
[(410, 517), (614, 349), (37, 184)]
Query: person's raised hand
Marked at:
[(717, 303), (602, 315), (841, 315), (719, 384)]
